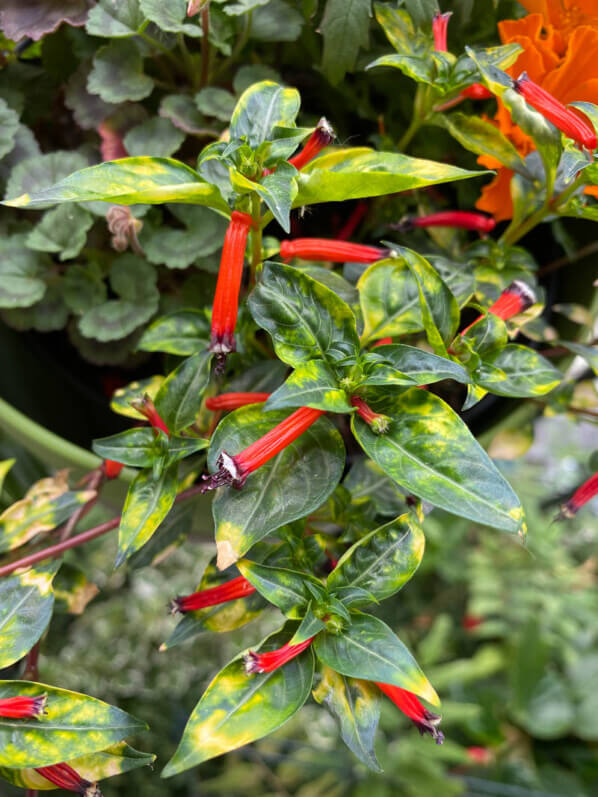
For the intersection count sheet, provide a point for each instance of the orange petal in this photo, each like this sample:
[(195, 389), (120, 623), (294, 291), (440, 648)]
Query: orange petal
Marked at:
[(580, 62), (496, 196)]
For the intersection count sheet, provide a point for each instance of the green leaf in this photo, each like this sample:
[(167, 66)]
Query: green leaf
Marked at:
[(33, 175), (122, 397), (419, 366), (9, 125), (485, 337), (170, 16), (482, 137), (183, 332), (400, 31), (134, 281), (520, 371), (237, 709), (127, 181), (114, 760), (440, 311), (260, 108), (345, 26), (309, 468), (283, 587), (73, 725), (429, 451), (309, 626), (177, 248), (304, 318), (5, 466), (312, 384), (278, 190), (277, 21), (179, 399), (48, 315), (114, 20), (117, 73), (359, 172), (171, 533), (242, 7), (382, 561), (21, 272), (26, 602), (135, 447), (72, 590), (333, 280), (216, 102), (183, 447), (356, 706), (156, 137), (368, 649), (148, 502), (62, 229), (589, 353), (183, 113), (83, 287), (389, 296), (366, 481)]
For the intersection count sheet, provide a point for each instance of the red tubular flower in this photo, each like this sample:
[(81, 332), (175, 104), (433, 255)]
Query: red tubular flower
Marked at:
[(273, 659), (235, 470), (22, 707), (332, 250), (67, 778), (320, 138), (232, 401), (439, 29), (226, 299), (407, 702), (471, 621), (111, 468), (381, 342), (229, 591), (567, 121), (146, 407), (477, 91), (352, 222), (512, 301), (465, 220), (580, 497), (377, 422)]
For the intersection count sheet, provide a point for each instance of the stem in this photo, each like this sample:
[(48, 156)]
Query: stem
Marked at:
[(159, 46), (55, 550), (94, 483), (188, 59), (241, 42), (566, 260), (256, 236), (31, 667), (420, 114), (405, 139), (205, 45)]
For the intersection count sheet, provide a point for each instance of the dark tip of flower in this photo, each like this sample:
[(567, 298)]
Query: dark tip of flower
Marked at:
[(521, 289), (324, 132), (428, 725), (566, 512), (517, 82), (252, 665), (228, 474), (404, 225), (93, 790), (174, 607), (39, 705)]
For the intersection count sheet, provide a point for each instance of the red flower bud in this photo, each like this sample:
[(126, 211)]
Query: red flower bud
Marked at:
[(477, 91), (111, 468), (22, 707), (332, 250), (273, 659), (407, 702), (439, 29), (465, 220), (512, 301), (377, 422), (146, 407), (65, 777), (568, 122), (228, 286), (479, 755), (580, 497), (320, 138), (232, 401), (235, 470), (212, 596)]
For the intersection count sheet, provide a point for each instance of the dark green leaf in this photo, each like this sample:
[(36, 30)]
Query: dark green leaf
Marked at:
[(345, 27), (518, 371), (156, 137), (419, 366), (283, 587), (312, 384), (117, 73), (183, 332), (260, 108), (62, 230), (180, 396)]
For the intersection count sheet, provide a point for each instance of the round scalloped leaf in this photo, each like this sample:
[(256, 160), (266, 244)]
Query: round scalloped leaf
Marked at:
[(37, 17), (35, 174), (21, 272), (9, 124), (170, 16), (215, 102), (61, 230), (117, 73), (157, 137), (115, 20)]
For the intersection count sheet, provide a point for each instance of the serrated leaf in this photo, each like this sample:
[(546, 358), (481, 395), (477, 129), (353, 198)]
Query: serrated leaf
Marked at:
[(117, 73), (183, 113), (73, 725), (48, 315), (127, 181), (215, 102), (518, 371), (9, 125), (179, 399), (277, 21), (62, 230), (83, 287), (114, 20), (356, 706), (419, 366), (283, 587), (156, 137), (359, 172), (34, 175), (26, 602), (370, 650), (122, 396), (237, 709), (34, 19), (304, 318), (312, 384), (176, 248), (148, 502), (345, 26), (21, 272), (170, 16), (309, 468), (382, 561), (183, 332), (260, 108)]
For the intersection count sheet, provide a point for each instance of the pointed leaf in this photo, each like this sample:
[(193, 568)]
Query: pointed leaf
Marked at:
[(179, 399), (482, 137), (518, 371), (309, 626), (312, 384), (421, 367), (389, 296), (283, 587), (122, 397), (260, 108), (134, 447)]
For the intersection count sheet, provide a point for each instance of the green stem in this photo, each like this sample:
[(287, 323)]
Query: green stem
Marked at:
[(241, 42), (159, 46), (421, 106), (205, 46), (405, 139), (188, 59), (256, 236)]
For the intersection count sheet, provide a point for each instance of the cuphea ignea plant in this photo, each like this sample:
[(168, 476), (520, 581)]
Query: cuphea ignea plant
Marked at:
[(289, 381)]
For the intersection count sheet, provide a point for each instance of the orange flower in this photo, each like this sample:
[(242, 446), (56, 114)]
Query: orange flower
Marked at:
[(560, 42)]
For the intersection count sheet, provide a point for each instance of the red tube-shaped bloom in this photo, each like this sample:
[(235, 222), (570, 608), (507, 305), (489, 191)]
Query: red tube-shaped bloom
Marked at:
[(212, 596), (22, 707), (349, 227), (146, 407), (464, 219), (512, 301), (235, 470), (320, 138), (580, 497), (232, 401), (111, 468), (477, 91), (65, 777), (567, 121), (407, 702), (273, 659), (332, 250), (228, 286), (378, 423), (381, 342), (439, 29)]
